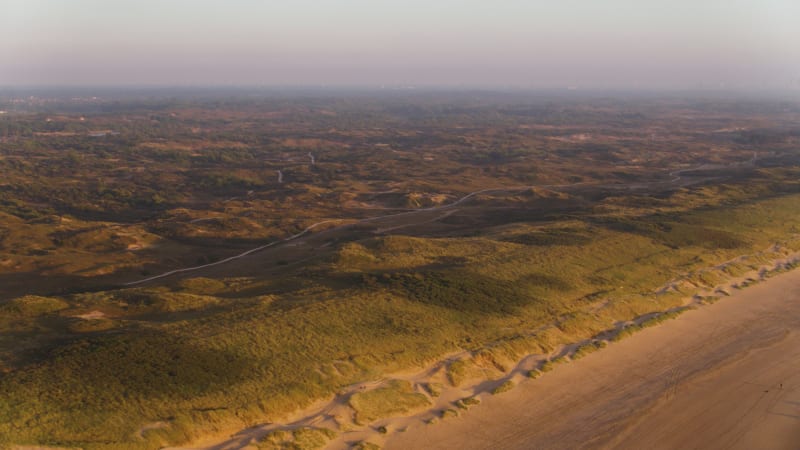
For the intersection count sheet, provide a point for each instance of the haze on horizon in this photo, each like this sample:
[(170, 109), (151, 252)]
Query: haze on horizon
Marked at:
[(609, 44)]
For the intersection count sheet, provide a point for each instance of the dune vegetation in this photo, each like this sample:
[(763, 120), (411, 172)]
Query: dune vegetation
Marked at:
[(206, 362), (532, 243)]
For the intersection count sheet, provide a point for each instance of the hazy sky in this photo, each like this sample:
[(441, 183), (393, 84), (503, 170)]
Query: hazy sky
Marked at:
[(532, 43)]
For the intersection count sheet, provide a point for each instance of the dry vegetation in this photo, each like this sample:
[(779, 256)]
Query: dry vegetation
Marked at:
[(601, 212)]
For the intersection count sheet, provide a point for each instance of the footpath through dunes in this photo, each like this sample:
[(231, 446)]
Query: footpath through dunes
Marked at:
[(420, 216), (724, 376)]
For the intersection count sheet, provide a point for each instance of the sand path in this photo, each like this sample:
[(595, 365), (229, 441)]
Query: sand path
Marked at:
[(675, 181), (725, 376)]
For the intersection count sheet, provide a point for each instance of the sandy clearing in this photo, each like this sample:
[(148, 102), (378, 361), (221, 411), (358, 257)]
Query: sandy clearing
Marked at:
[(725, 376), (91, 315)]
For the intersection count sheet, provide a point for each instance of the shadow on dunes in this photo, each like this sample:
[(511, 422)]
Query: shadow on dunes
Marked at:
[(87, 390), (462, 291)]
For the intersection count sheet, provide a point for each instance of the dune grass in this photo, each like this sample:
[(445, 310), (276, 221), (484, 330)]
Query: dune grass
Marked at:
[(205, 360), (467, 402), (504, 387), (650, 322), (300, 439), (366, 445), (397, 397), (587, 348)]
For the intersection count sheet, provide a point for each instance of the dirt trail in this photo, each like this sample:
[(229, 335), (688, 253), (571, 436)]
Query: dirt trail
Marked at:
[(674, 181), (232, 258)]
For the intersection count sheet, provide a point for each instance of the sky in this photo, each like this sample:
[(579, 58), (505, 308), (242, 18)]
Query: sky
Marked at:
[(511, 43)]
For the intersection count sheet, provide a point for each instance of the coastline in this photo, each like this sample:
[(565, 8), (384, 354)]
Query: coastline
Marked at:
[(503, 416), (721, 376)]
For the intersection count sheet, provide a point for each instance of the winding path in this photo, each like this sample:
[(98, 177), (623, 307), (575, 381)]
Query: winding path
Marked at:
[(676, 174), (231, 258)]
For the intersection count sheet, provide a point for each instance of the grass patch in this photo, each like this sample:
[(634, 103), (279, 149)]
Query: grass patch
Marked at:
[(458, 290), (433, 389), (457, 371), (305, 438), (449, 413), (32, 306), (197, 361), (202, 285), (709, 299), (534, 374), (91, 325), (505, 387), (550, 237), (312, 438), (650, 322), (589, 347), (467, 402), (396, 398)]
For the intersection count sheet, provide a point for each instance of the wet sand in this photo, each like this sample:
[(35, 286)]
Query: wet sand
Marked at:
[(724, 376)]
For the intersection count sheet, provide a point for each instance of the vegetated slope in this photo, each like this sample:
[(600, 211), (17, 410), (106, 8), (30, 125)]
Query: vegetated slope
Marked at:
[(203, 356), (585, 212)]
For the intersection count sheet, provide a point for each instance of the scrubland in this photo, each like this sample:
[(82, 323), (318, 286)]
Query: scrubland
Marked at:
[(567, 249)]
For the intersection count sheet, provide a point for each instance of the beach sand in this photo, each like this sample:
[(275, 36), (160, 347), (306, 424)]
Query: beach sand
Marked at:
[(724, 376)]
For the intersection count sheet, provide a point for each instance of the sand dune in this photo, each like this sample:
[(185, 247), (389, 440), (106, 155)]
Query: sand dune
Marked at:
[(722, 376), (725, 376)]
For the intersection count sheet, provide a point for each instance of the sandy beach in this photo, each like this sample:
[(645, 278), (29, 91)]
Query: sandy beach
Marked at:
[(724, 376)]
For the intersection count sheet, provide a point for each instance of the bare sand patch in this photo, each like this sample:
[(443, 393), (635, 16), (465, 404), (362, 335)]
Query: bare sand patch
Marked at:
[(91, 315)]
